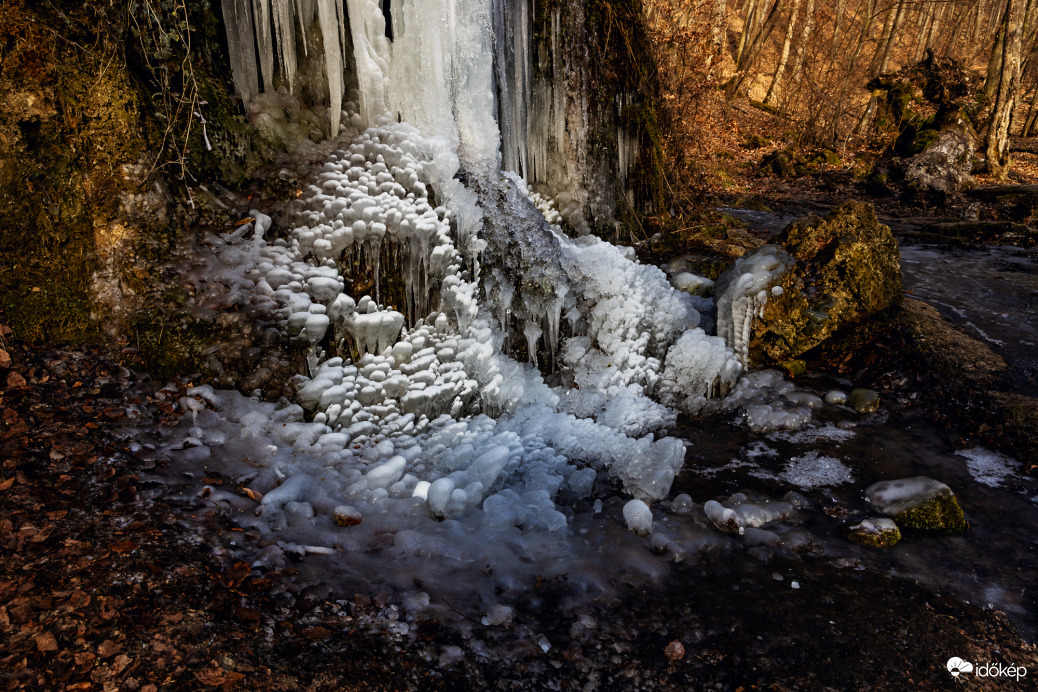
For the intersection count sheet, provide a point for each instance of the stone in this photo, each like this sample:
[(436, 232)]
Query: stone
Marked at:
[(877, 532), (346, 515), (863, 400), (845, 272), (943, 167), (918, 503)]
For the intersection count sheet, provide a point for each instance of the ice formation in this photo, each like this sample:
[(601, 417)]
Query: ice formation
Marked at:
[(744, 289), (988, 467), (496, 369), (894, 497)]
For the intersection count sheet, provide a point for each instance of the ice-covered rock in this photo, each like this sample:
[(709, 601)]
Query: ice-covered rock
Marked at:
[(919, 503), (877, 532), (638, 517), (834, 274)]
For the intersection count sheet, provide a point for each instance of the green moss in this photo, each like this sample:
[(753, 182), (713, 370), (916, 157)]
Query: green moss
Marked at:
[(169, 345), (882, 539), (793, 367), (69, 125), (941, 513), (52, 312)]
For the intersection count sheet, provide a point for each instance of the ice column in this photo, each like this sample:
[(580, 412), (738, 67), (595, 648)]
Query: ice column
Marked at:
[(237, 16), (371, 50)]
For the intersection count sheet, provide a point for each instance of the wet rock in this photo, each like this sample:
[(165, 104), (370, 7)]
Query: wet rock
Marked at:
[(863, 400), (918, 503), (943, 167), (965, 383), (875, 533), (346, 515), (845, 272), (836, 397)]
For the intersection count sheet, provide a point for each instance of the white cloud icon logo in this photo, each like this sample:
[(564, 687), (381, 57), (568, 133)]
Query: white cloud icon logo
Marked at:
[(956, 665)]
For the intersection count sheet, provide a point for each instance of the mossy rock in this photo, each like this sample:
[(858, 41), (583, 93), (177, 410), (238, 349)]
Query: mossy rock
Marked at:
[(793, 367), (863, 400), (826, 157), (875, 533), (846, 272), (919, 503), (755, 142), (942, 513), (751, 203), (782, 163)]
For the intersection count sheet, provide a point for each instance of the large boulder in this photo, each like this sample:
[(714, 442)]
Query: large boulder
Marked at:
[(823, 276), (943, 167)]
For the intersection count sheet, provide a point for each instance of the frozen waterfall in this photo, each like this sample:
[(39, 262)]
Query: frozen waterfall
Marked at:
[(517, 369)]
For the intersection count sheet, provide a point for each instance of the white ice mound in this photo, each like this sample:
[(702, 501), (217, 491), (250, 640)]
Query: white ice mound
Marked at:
[(743, 290), (894, 497), (698, 368), (738, 513), (638, 517)]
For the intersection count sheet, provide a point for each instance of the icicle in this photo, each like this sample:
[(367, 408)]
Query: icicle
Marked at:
[(264, 41), (285, 37), (533, 335), (305, 12), (332, 60), (371, 51), (237, 16)]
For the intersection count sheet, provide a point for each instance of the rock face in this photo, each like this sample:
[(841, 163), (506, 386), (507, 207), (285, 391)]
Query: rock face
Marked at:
[(845, 271), (943, 168)]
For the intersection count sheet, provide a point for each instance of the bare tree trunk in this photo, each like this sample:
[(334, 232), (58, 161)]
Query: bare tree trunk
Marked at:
[(929, 16), (718, 22), (884, 59), (747, 29), (1008, 87), (994, 71), (841, 108), (805, 37), (837, 17), (754, 46), (784, 58)]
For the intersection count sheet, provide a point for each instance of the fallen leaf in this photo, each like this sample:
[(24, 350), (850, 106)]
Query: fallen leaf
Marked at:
[(124, 546), (218, 677), (109, 648), (46, 642), (5, 359), (120, 663), (253, 495), (247, 614), (7, 484), (317, 633), (15, 381), (674, 651)]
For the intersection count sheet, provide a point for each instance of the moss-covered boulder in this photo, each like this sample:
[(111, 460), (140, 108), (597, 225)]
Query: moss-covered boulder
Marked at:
[(875, 533), (918, 503), (845, 271)]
